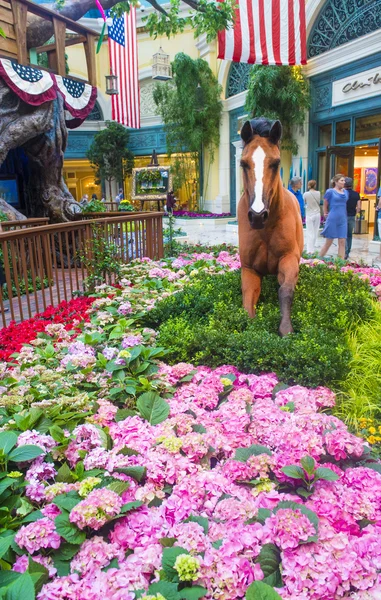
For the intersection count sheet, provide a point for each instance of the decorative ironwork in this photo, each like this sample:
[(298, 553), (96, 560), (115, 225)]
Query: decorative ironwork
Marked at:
[(322, 97), (238, 80), (341, 21), (96, 114)]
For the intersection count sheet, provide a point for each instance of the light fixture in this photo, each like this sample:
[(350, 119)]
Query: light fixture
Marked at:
[(161, 67), (112, 84)]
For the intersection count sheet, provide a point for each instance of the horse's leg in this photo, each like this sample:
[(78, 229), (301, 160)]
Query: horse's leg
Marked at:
[(288, 271), (251, 288)]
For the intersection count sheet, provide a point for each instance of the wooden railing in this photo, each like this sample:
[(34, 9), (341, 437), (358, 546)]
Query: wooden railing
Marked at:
[(25, 223), (45, 265)]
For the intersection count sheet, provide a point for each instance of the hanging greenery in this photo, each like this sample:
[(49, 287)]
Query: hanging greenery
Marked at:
[(279, 93), (190, 108)]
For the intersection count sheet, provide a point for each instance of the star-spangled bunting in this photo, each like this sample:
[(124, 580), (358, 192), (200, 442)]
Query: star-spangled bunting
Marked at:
[(35, 86)]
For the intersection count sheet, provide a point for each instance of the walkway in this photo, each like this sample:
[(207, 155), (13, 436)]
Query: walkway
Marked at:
[(68, 282), (226, 231)]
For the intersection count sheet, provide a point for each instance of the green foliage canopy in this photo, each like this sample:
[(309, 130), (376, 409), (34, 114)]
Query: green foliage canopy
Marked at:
[(108, 154), (191, 110), (279, 93)]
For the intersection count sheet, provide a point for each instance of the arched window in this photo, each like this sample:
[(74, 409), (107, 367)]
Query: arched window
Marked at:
[(96, 114), (238, 80), (341, 21)]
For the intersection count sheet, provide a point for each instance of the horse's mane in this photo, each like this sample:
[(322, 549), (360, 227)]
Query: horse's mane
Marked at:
[(261, 126)]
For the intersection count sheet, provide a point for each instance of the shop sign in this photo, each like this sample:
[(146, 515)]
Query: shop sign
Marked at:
[(357, 87)]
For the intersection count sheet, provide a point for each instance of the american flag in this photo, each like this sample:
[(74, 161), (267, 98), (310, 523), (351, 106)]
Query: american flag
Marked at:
[(124, 63), (266, 32)]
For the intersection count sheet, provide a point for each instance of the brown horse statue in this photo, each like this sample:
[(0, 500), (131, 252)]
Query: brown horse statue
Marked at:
[(270, 227)]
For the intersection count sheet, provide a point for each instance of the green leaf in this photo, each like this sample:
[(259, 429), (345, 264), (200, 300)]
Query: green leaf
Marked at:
[(167, 542), (242, 454), (68, 530), (25, 453), (217, 545), (169, 559), (32, 517), (199, 428), (5, 544), (135, 472), (130, 506), (5, 484), (128, 452), (166, 589), (8, 440), (326, 474), (262, 515), (203, 521), (193, 593), (67, 501), (293, 471), (8, 577), (123, 413), (305, 511), (62, 566), (39, 574), (118, 487), (308, 464), (261, 591), (153, 408), (57, 433), (269, 560), (64, 474), (374, 466), (66, 551), (21, 588)]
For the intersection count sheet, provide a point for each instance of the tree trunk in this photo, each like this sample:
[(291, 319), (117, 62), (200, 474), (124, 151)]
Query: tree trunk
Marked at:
[(42, 133)]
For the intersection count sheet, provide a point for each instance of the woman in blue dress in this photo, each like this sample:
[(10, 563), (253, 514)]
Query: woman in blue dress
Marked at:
[(335, 211)]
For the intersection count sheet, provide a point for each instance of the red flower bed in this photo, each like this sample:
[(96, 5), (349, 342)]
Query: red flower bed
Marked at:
[(16, 334)]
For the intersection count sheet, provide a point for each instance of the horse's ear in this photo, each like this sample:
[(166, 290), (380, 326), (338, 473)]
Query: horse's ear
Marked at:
[(275, 132), (247, 132)]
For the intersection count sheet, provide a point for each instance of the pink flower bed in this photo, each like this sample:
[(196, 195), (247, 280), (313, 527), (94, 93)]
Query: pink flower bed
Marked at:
[(189, 214), (218, 503)]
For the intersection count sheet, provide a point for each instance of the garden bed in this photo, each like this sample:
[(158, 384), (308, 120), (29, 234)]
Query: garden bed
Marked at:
[(182, 481)]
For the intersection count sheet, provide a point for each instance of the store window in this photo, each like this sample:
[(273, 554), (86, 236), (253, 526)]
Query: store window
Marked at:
[(325, 135), (368, 128), (343, 132)]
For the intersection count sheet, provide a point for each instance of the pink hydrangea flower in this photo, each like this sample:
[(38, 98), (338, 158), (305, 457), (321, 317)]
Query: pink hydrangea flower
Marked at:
[(99, 506), (41, 534), (288, 528)]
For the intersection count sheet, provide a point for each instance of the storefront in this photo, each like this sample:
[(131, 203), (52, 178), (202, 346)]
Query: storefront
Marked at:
[(345, 127)]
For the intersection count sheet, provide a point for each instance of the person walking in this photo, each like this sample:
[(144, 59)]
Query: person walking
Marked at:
[(312, 204), (353, 207), (335, 211), (295, 187)]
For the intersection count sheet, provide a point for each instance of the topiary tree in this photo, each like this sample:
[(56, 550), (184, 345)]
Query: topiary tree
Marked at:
[(279, 93), (108, 154), (191, 108)]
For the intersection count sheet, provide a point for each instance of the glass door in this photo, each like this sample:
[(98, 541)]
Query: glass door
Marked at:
[(339, 159)]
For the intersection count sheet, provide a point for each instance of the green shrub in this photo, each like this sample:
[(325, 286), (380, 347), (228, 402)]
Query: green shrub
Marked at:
[(206, 324)]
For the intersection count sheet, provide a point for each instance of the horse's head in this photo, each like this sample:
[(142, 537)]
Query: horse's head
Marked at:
[(260, 162)]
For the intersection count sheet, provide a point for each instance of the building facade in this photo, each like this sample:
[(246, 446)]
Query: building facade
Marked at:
[(342, 129)]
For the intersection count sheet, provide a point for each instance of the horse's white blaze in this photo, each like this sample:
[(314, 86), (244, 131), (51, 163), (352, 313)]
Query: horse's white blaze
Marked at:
[(259, 170)]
